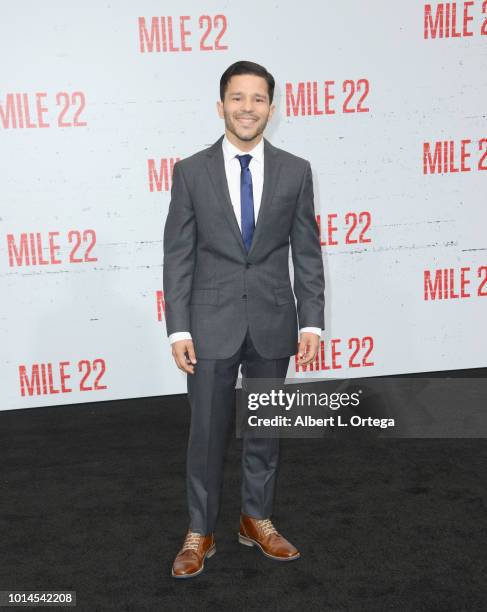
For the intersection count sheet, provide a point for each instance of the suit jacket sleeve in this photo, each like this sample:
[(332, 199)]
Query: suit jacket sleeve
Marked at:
[(179, 254), (309, 281)]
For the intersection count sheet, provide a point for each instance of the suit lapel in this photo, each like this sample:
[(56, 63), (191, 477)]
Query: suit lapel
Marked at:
[(272, 167), (216, 170)]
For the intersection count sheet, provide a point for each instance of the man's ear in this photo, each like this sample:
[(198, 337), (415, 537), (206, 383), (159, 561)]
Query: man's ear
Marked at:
[(219, 108)]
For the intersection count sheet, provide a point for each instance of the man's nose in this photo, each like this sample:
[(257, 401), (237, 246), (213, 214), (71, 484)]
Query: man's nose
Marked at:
[(248, 105)]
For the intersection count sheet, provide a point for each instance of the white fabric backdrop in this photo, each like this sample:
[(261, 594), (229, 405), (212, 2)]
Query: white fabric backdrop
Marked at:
[(99, 319)]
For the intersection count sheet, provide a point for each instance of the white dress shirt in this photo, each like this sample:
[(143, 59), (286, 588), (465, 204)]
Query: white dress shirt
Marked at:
[(232, 171)]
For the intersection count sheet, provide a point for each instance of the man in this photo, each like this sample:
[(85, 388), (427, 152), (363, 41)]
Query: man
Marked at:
[(235, 209)]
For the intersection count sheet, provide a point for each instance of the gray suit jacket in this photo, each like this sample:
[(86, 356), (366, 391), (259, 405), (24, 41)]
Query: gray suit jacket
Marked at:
[(216, 290)]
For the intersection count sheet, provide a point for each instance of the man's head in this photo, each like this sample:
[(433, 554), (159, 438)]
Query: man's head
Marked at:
[(246, 94)]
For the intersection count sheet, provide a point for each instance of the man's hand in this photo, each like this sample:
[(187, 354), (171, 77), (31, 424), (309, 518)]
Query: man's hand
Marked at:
[(307, 347), (184, 356)]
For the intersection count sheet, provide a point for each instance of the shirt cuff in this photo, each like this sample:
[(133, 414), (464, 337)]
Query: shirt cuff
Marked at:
[(314, 330), (179, 336)]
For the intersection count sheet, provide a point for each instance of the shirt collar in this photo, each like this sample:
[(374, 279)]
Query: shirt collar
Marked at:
[(230, 150)]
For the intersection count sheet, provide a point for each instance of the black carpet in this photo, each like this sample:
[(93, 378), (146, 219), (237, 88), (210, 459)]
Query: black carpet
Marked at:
[(93, 500)]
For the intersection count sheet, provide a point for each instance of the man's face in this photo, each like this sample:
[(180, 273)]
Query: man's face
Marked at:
[(246, 109)]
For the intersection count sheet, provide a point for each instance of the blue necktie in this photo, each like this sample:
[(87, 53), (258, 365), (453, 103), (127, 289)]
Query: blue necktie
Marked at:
[(246, 200)]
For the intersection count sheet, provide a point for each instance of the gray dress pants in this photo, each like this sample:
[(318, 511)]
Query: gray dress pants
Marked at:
[(211, 394)]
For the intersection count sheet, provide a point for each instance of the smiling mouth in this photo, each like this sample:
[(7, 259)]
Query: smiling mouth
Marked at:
[(246, 120)]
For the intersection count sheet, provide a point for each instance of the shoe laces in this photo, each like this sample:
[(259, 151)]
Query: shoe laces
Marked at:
[(266, 526), (192, 541)]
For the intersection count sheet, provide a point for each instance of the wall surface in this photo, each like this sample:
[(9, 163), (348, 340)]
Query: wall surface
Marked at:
[(387, 100)]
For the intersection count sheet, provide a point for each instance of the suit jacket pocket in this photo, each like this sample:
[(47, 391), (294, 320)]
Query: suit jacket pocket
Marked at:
[(283, 295), (205, 296)]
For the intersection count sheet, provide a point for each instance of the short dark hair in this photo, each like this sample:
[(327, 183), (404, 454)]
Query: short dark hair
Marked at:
[(244, 67)]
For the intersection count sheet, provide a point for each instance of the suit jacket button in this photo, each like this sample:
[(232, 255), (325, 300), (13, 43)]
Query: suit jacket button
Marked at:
[(244, 296), (247, 265)]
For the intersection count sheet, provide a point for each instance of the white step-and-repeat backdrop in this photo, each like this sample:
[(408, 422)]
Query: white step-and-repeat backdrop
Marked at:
[(388, 101)]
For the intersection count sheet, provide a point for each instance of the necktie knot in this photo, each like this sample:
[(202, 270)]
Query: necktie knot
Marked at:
[(244, 160)]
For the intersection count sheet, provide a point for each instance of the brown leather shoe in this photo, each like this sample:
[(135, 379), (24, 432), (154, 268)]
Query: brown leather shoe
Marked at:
[(262, 533), (190, 560)]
